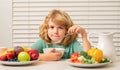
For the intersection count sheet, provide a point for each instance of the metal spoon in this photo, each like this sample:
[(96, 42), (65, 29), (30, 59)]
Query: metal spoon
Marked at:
[(59, 41)]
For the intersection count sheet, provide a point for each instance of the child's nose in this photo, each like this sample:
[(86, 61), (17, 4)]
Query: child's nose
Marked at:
[(55, 30)]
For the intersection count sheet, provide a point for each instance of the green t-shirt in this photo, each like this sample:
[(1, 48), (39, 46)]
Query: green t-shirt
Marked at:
[(74, 46)]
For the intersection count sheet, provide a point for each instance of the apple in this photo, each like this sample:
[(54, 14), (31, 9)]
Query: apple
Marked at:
[(34, 54), (18, 49), (10, 55), (23, 56), (3, 58)]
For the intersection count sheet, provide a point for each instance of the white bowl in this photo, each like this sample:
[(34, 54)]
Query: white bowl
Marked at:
[(45, 50)]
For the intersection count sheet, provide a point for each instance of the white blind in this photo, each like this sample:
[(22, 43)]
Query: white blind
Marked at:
[(94, 15)]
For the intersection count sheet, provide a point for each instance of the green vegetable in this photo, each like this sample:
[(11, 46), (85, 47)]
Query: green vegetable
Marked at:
[(104, 60), (87, 61), (88, 57), (90, 61), (82, 53)]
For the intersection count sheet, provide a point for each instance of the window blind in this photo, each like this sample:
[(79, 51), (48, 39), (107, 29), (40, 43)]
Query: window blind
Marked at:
[(93, 15)]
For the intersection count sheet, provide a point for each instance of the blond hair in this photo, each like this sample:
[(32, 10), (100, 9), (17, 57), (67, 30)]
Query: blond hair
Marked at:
[(62, 18)]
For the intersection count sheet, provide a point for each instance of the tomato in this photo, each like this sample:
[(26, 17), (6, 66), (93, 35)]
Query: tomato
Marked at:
[(75, 54), (74, 57)]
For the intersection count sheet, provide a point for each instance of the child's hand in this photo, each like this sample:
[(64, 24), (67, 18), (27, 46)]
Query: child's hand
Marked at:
[(76, 30), (51, 55)]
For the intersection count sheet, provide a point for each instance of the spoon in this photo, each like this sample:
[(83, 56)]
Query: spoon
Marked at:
[(59, 41)]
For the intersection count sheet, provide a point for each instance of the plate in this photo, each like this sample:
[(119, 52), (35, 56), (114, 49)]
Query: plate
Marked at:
[(88, 65), (18, 63)]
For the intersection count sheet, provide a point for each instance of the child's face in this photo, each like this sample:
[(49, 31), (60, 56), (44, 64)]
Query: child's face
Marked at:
[(56, 31)]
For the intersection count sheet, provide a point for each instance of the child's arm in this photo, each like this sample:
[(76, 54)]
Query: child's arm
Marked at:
[(79, 30), (50, 56), (86, 43)]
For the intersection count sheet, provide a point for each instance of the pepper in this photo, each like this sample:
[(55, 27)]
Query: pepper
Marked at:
[(96, 53)]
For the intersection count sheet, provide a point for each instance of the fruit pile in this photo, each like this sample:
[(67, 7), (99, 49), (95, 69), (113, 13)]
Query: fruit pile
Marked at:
[(93, 56), (19, 54)]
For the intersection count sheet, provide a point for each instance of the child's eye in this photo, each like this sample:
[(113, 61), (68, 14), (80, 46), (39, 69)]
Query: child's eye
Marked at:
[(61, 27), (51, 27)]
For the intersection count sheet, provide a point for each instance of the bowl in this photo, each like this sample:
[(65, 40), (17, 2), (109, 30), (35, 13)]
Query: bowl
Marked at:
[(45, 50)]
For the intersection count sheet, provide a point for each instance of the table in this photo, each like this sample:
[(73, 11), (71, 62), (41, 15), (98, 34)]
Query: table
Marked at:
[(58, 65)]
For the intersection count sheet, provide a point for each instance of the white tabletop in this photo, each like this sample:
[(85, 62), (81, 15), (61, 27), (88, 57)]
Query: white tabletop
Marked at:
[(58, 65)]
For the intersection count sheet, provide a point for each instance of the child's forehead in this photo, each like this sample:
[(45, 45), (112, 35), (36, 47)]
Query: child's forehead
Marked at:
[(56, 24), (51, 22)]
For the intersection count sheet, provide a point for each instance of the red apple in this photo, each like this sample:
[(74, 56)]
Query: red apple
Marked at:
[(3, 58), (10, 55), (34, 54)]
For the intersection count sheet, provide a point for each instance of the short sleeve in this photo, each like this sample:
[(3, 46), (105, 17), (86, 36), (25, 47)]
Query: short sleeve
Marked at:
[(77, 47), (38, 45), (74, 46)]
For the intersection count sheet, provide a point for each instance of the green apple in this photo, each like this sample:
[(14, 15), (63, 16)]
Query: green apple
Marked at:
[(23, 56)]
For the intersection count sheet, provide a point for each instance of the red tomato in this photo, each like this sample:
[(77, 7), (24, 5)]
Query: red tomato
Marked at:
[(74, 57), (75, 54)]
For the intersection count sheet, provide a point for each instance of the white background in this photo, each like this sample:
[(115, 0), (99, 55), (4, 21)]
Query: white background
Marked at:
[(6, 19), (6, 23)]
